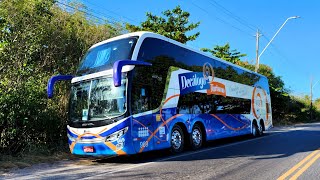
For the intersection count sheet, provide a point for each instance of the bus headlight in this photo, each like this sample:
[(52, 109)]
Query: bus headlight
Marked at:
[(71, 138), (116, 135)]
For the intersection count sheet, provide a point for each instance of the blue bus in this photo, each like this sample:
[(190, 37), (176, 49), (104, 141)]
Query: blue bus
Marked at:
[(142, 91)]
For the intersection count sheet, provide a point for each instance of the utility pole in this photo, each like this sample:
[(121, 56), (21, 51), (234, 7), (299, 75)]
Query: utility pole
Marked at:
[(311, 87), (257, 50)]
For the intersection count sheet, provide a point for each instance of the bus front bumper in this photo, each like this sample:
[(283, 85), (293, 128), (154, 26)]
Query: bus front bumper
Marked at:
[(98, 149)]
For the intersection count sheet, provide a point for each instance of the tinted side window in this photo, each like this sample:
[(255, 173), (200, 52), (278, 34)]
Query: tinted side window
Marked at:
[(141, 96), (151, 81), (148, 85), (201, 103)]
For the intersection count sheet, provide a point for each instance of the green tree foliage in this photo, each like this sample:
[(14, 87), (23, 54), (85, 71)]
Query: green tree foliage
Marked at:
[(225, 53), (39, 39), (174, 25), (317, 104)]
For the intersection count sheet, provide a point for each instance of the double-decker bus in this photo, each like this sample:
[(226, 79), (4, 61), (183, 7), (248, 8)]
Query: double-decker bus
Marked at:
[(142, 91)]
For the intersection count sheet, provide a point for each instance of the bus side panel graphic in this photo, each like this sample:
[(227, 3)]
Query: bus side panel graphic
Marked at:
[(217, 126)]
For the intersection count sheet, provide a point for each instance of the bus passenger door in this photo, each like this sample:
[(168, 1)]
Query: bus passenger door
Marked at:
[(142, 119)]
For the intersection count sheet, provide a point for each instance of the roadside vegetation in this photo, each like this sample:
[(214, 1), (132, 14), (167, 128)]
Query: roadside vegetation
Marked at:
[(41, 38)]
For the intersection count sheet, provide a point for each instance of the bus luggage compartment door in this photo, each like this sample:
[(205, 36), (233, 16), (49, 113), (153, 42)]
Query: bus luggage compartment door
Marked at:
[(142, 130)]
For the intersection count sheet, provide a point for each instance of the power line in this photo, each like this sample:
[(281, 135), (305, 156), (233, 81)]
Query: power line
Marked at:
[(106, 16), (283, 57), (232, 15), (85, 12), (221, 20), (276, 49), (245, 23), (119, 15)]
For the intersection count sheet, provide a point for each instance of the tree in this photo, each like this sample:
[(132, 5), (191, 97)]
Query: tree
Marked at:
[(225, 53), (317, 104), (174, 25), (38, 39)]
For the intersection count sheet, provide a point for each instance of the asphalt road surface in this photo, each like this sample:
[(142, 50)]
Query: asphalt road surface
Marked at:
[(282, 153)]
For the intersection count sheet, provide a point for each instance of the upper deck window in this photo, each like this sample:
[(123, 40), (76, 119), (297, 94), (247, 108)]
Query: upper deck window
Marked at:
[(103, 56), (157, 51)]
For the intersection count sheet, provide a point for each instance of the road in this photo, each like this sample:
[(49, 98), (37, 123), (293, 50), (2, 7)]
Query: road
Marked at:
[(282, 153)]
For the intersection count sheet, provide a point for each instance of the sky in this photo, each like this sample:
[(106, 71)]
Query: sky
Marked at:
[(293, 54)]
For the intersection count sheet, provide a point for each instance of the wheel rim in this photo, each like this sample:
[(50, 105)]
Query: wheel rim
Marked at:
[(176, 139), (254, 130), (196, 137), (260, 129)]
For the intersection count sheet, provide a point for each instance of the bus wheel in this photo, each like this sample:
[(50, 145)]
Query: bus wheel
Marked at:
[(177, 139), (196, 137), (261, 128), (255, 130)]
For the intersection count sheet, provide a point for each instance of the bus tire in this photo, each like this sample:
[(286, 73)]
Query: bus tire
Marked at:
[(196, 137), (261, 127), (177, 139), (255, 129)]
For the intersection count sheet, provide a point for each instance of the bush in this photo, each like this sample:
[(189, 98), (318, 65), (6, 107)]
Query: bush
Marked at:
[(37, 40)]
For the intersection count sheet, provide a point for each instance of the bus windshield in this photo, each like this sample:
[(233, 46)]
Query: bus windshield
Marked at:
[(102, 57), (97, 99)]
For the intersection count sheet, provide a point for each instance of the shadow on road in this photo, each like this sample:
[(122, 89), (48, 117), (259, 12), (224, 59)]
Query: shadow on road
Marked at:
[(270, 146)]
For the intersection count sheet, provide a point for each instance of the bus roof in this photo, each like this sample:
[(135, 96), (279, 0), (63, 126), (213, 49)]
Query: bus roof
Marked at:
[(145, 34)]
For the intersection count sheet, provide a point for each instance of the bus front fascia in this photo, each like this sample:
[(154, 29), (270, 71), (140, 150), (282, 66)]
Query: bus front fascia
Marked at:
[(117, 69)]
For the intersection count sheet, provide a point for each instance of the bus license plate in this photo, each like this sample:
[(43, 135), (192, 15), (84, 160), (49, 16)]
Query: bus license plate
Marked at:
[(88, 149)]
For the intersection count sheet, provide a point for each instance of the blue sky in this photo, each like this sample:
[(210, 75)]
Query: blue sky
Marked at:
[(293, 54)]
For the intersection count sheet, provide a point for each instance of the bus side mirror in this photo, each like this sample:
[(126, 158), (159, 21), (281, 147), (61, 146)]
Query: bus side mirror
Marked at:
[(53, 80), (117, 69)]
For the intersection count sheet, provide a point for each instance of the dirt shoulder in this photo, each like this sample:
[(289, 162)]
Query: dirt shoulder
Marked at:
[(8, 163)]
